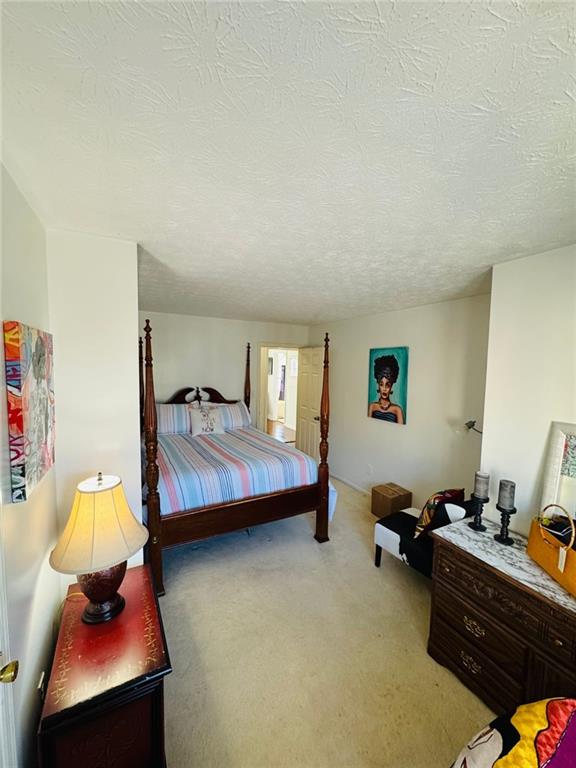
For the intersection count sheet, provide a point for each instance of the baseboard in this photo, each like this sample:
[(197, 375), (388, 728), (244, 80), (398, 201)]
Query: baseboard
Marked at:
[(352, 485)]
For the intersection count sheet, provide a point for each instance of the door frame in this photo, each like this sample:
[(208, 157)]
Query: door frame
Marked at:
[(262, 403), (8, 734), (8, 751)]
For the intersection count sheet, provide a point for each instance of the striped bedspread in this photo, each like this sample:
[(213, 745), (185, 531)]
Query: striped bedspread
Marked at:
[(213, 469)]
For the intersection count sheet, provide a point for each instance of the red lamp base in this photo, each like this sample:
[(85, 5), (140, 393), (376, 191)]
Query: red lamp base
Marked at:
[(101, 589)]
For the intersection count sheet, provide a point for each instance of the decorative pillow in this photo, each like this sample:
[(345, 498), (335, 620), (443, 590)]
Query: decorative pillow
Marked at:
[(425, 521), (537, 735), (206, 421), (173, 419), (233, 415)]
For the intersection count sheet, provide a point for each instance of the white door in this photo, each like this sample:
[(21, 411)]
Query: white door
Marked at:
[(7, 724), (310, 370)]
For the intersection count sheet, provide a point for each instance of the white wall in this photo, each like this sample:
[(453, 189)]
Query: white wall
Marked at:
[(447, 353), (531, 372), (94, 318), (209, 351), (28, 529)]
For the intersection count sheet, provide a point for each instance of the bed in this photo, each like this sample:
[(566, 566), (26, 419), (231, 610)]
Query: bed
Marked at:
[(197, 486)]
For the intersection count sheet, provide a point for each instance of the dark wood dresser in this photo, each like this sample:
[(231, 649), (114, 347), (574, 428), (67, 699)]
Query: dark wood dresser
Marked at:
[(104, 703), (499, 622)]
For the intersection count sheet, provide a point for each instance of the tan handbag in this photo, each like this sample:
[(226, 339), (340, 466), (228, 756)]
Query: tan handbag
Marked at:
[(557, 559)]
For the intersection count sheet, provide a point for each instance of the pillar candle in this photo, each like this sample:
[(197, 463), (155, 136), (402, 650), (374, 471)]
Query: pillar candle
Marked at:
[(481, 483), (506, 492)]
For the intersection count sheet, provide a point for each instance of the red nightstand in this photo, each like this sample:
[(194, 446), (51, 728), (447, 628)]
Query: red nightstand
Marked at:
[(104, 704)]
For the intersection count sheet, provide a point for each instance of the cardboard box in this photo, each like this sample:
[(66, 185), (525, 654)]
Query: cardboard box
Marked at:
[(389, 498)]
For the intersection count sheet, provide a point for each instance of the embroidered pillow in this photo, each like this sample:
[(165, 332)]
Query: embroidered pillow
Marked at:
[(206, 421), (232, 415), (173, 419), (426, 521)]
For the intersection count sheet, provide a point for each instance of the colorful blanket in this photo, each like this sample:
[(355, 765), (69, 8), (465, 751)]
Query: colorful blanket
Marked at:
[(538, 735), (199, 471)]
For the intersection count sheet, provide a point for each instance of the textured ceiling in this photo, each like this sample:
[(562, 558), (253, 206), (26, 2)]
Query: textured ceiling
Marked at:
[(292, 161)]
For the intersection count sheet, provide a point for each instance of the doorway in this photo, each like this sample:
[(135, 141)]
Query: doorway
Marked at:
[(282, 389)]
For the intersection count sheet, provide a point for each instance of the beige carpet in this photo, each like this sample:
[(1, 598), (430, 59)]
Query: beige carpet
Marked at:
[(293, 654)]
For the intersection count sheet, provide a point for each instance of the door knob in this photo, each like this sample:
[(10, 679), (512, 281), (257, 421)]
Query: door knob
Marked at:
[(9, 673), (316, 418)]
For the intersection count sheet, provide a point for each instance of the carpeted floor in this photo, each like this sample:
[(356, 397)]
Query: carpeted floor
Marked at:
[(292, 654)]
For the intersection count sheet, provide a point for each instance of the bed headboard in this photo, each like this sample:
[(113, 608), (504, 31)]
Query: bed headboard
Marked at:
[(182, 396)]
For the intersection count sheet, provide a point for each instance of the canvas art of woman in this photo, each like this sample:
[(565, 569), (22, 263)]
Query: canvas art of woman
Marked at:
[(386, 371)]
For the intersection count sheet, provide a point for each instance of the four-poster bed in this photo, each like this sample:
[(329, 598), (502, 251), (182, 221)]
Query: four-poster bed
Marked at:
[(180, 526)]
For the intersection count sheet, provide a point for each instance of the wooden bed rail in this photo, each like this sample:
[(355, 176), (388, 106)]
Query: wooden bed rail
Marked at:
[(154, 548)]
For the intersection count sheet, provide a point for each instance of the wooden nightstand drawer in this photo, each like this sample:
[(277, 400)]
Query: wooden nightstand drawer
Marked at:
[(472, 623), (474, 668)]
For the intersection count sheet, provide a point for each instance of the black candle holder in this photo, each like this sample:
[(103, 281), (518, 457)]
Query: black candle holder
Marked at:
[(505, 514), (479, 502)]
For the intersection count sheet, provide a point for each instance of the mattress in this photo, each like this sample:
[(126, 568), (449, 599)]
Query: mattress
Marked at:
[(199, 471)]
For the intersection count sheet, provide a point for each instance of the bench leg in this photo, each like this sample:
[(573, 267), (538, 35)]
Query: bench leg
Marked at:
[(378, 556)]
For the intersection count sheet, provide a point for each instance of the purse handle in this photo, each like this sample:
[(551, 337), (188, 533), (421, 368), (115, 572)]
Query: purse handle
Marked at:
[(572, 537)]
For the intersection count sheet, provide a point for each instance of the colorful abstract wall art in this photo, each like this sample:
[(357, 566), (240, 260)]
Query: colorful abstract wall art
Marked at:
[(388, 384), (28, 355)]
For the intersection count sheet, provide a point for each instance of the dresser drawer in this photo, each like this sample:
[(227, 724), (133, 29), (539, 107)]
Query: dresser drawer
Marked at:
[(494, 640), (476, 670), (562, 643), (524, 614)]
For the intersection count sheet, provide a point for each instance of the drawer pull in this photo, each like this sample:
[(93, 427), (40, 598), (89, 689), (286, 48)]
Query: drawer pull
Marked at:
[(558, 643), (473, 627), (470, 664)]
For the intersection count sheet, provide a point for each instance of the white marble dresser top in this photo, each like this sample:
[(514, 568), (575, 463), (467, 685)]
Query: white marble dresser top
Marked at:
[(512, 561)]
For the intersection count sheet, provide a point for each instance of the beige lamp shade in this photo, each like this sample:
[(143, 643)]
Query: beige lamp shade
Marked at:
[(101, 530)]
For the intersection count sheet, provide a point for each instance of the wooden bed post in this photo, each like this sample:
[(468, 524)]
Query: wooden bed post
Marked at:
[(154, 547), (321, 534), (247, 378), (141, 380)]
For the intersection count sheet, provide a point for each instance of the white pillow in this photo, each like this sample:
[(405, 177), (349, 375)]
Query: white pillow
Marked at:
[(206, 421), (232, 415)]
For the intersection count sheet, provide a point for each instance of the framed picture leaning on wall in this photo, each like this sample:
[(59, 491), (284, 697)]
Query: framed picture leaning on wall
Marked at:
[(388, 384)]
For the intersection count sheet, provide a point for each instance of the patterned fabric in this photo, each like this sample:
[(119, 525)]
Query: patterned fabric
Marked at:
[(426, 519), (385, 416), (213, 469), (234, 416), (538, 735), (173, 419), (206, 421)]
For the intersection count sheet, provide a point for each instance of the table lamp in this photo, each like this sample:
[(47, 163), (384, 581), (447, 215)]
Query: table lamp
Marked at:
[(100, 535)]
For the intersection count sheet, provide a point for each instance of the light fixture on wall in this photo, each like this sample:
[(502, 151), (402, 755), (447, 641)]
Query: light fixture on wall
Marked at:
[(471, 425), (99, 537)]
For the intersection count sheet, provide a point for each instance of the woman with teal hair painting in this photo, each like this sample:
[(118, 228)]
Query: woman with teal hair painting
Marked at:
[(386, 372)]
